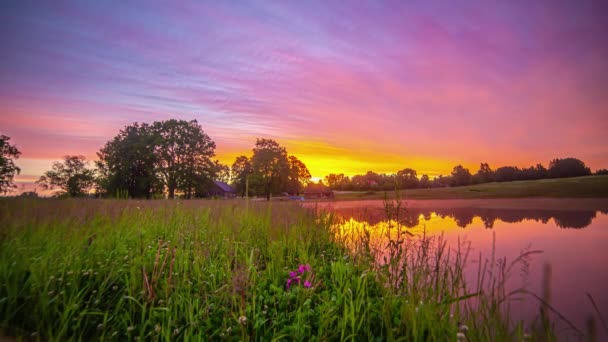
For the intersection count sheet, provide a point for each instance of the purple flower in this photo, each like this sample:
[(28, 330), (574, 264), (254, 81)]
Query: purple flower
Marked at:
[(288, 283), (303, 268), (293, 274), (307, 284)]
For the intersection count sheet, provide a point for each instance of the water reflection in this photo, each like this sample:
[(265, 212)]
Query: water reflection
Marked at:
[(411, 217), (578, 256)]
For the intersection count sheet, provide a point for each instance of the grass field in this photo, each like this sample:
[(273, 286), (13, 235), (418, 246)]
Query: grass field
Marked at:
[(222, 270), (589, 186)]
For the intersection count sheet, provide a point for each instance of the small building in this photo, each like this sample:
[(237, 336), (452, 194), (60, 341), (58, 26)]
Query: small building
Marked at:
[(221, 189), (315, 191)]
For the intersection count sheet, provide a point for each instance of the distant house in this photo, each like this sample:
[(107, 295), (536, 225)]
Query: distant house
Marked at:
[(313, 191), (221, 189)]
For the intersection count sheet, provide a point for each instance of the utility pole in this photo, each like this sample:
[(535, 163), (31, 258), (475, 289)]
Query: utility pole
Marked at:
[(247, 193)]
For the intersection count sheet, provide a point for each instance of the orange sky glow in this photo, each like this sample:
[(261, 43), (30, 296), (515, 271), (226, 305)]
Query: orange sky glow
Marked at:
[(345, 87)]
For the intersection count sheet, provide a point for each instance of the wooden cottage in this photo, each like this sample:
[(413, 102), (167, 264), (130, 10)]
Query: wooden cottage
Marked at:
[(221, 189)]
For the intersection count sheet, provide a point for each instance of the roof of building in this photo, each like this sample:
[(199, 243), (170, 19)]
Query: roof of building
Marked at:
[(225, 187)]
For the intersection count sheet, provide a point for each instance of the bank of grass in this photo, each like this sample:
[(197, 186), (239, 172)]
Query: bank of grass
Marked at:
[(217, 270), (589, 186)]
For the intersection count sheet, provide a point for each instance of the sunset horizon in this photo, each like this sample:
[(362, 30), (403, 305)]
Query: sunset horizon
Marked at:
[(347, 88)]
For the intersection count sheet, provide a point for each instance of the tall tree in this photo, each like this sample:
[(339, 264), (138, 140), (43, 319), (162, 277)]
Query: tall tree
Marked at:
[(184, 154), (407, 179), (221, 172), (484, 174), (460, 176), (72, 176), (8, 169), (337, 181), (128, 163), (298, 177), (239, 171), (506, 174), (568, 167), (269, 165), (425, 183)]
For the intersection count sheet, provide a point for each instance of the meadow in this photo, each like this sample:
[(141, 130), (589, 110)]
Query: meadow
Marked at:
[(587, 186), (228, 270)]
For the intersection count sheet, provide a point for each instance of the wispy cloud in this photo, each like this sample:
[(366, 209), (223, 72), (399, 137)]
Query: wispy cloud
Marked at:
[(417, 83)]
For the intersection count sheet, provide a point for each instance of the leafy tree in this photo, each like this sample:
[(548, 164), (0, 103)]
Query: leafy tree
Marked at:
[(239, 171), (184, 155), (337, 181), (269, 165), (425, 183), (8, 169), (506, 174), (128, 163), (460, 176), (568, 167), (298, 176), (533, 172), (484, 174), (441, 181), (72, 176), (221, 172), (407, 179), (601, 172)]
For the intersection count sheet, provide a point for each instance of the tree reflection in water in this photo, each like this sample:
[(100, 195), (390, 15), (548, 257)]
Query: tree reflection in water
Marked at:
[(410, 217)]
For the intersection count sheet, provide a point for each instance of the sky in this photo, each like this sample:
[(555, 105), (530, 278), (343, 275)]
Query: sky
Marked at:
[(347, 86)]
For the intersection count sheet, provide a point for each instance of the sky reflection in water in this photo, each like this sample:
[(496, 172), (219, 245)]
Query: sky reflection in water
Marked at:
[(572, 240)]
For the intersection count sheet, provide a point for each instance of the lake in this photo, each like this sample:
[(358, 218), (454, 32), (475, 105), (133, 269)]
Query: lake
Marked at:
[(570, 235)]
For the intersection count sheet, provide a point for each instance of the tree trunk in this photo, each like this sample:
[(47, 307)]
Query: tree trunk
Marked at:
[(171, 191)]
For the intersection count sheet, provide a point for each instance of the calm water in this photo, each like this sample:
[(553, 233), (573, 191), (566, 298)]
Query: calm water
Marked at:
[(572, 235)]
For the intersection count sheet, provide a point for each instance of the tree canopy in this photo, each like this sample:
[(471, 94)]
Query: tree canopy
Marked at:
[(128, 162), (172, 155), (72, 176), (270, 166), (568, 167), (8, 169), (239, 171)]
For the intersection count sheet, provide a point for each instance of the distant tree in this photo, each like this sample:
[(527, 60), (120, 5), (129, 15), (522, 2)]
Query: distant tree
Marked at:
[(483, 175), (533, 172), (29, 194), (270, 166), (337, 181), (506, 174), (221, 172), (184, 153), (128, 163), (601, 172), (460, 176), (8, 169), (240, 169), (371, 180), (407, 179), (425, 183), (298, 176), (72, 176), (568, 167), (441, 181)]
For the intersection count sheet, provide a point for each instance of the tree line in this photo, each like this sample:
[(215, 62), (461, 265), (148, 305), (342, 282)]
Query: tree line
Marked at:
[(164, 159), (176, 158), (460, 176)]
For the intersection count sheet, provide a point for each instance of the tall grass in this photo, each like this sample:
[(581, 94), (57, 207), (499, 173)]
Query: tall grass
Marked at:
[(201, 270)]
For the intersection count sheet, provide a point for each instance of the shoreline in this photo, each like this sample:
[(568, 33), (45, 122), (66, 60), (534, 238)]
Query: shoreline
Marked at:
[(547, 203)]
